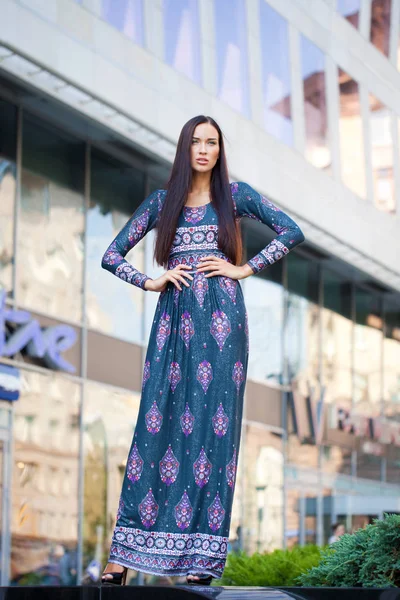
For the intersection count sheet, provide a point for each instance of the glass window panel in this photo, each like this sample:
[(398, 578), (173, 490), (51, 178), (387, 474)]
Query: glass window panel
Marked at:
[(117, 190), (380, 25), (315, 109), (231, 47), (292, 531), (391, 360), (126, 16), (382, 154), (277, 87), (8, 138), (337, 334), (182, 37), (351, 135), (264, 300), (51, 224), (351, 10), (263, 490), (368, 466), (109, 422), (368, 339), (336, 460), (44, 521)]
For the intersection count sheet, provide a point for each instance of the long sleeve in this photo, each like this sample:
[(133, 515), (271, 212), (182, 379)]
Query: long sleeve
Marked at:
[(142, 221), (249, 203)]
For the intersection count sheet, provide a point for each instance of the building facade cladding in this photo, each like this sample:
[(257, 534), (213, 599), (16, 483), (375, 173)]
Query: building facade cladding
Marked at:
[(317, 327)]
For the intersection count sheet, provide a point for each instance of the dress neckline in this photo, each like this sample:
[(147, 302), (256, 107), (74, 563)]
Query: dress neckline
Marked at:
[(197, 206)]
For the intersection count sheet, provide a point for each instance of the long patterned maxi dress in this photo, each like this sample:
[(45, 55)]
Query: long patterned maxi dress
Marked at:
[(175, 506)]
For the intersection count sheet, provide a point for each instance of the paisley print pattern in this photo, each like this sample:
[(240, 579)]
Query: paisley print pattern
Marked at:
[(174, 513)]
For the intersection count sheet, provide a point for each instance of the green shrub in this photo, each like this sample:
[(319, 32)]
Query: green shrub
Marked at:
[(370, 557), (277, 568)]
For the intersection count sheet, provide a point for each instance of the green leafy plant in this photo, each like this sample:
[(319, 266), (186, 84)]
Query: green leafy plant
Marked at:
[(370, 557), (277, 568)]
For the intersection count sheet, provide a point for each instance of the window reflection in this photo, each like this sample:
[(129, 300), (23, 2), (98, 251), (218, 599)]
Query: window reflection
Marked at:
[(7, 192), (380, 25), (109, 421), (391, 357), (382, 154), (126, 16), (117, 189), (181, 35), (51, 223), (231, 47), (44, 520), (337, 332), (368, 339), (275, 66), (351, 10), (315, 109), (351, 135), (264, 300)]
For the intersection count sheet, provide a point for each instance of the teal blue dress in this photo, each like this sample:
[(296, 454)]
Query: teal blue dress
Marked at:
[(175, 506)]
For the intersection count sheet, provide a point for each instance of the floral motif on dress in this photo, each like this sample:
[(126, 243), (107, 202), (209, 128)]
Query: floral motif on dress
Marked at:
[(135, 465), (163, 330), (269, 204), (146, 373), (174, 375), (153, 419), (204, 374), (231, 470), (202, 468), (187, 421), (220, 421), (216, 513), (200, 287), (229, 286), (220, 327), (194, 214), (138, 227), (186, 328), (183, 512), (148, 509), (121, 507), (238, 374), (169, 467)]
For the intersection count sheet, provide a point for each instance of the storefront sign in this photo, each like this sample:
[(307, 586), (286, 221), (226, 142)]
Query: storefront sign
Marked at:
[(10, 383), (308, 414), (377, 429), (46, 343)]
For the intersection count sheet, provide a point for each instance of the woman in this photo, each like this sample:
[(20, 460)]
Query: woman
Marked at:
[(175, 507)]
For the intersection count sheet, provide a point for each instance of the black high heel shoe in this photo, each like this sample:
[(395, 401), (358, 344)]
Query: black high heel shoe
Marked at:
[(202, 579), (118, 577)]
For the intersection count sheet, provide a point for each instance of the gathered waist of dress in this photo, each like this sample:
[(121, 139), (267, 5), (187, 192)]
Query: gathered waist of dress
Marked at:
[(193, 258)]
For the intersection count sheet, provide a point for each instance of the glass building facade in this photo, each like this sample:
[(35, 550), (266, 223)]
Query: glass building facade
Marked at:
[(321, 426)]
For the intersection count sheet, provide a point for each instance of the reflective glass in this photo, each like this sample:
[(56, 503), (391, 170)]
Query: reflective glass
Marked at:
[(264, 301), (231, 47), (380, 25), (51, 223), (8, 138), (292, 531), (44, 512), (182, 37), (109, 421), (263, 489), (337, 333), (351, 135), (277, 87), (382, 154), (113, 306), (126, 16), (368, 342), (369, 465), (315, 108), (391, 360), (351, 10)]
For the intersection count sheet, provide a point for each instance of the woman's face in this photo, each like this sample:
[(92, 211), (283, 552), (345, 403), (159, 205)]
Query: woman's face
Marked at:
[(204, 150)]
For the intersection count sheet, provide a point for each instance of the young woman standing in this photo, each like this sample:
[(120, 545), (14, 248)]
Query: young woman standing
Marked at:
[(175, 506)]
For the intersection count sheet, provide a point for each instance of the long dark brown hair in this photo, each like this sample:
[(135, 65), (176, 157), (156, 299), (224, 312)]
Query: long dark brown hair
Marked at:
[(179, 185)]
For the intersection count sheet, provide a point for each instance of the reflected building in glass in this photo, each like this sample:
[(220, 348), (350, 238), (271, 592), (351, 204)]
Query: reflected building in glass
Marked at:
[(83, 140)]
